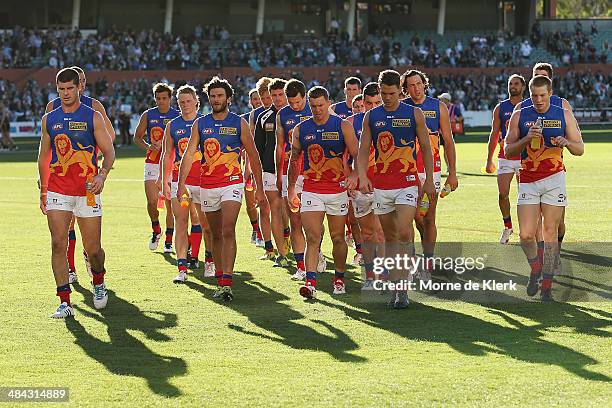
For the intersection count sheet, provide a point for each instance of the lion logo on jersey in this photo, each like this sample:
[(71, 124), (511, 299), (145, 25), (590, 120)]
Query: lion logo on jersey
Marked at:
[(67, 156), (214, 157), (553, 155), (319, 164), (388, 152)]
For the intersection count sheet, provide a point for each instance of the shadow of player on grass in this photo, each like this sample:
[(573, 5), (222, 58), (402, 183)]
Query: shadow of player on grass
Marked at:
[(476, 337), (264, 307), (124, 354)]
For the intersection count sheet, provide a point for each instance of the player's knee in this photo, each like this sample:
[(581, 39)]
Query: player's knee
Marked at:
[(503, 195), (228, 232), (526, 235), (59, 244)]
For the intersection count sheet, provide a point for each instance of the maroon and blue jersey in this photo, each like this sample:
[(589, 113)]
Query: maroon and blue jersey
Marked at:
[(156, 123), (505, 113), (288, 119), (323, 147), (180, 132), (547, 159), (341, 109), (220, 144), (73, 150), (431, 111), (394, 139)]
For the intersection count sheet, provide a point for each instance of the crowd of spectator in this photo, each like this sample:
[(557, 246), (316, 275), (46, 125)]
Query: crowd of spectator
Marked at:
[(126, 99), (212, 47)]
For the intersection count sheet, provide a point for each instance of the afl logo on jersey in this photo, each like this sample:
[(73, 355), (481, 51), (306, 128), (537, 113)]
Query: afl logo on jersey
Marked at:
[(529, 124), (57, 126), (380, 123), (309, 137), (181, 132), (207, 131), (154, 121), (290, 122)]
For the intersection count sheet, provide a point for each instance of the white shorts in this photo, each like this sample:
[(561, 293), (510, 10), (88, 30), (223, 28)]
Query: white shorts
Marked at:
[(269, 181), (437, 179), (211, 198), (362, 204), (549, 190), (75, 204), (299, 185), (506, 166), (151, 171), (386, 200), (193, 191), (331, 204)]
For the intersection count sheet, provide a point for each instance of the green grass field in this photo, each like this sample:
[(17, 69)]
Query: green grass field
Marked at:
[(161, 344)]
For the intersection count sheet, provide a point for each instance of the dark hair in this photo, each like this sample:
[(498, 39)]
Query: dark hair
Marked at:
[(389, 77), (217, 82), (295, 87), (277, 83), (414, 72), (545, 66), (78, 69), (520, 77), (541, 80), (251, 92), (352, 81), (358, 97), (371, 89), (317, 92), (67, 75), (161, 87)]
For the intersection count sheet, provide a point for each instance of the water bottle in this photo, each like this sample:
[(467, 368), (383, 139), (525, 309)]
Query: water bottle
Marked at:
[(184, 200), (445, 191), (91, 197), (535, 142), (424, 205)]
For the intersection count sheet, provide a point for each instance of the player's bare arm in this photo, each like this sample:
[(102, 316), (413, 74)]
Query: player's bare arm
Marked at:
[(493, 138), (361, 161), (254, 160), (449, 147), (573, 137), (44, 160), (280, 152), (140, 132), (105, 145), (423, 137), (98, 107), (293, 171), (352, 145), (166, 163)]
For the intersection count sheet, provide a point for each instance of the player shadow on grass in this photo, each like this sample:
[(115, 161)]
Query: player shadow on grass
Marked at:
[(264, 307), (473, 336), (170, 258), (124, 354)]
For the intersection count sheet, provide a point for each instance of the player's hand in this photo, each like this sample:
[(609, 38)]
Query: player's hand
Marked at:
[(452, 181), (429, 189), (279, 184), (43, 203), (560, 141), (260, 197), (365, 185), (97, 185), (181, 190), (351, 193), (166, 189), (351, 181), (534, 132), (489, 168)]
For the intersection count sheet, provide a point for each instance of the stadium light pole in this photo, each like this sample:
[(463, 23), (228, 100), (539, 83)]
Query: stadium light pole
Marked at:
[(261, 7), (441, 16), (350, 21), (168, 19), (76, 13)]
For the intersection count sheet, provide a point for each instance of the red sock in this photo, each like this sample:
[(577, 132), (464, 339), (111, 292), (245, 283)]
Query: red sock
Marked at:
[(64, 294), (98, 277), (70, 252), (169, 235), (218, 275), (259, 236), (195, 239), (301, 265), (156, 227), (536, 266)]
